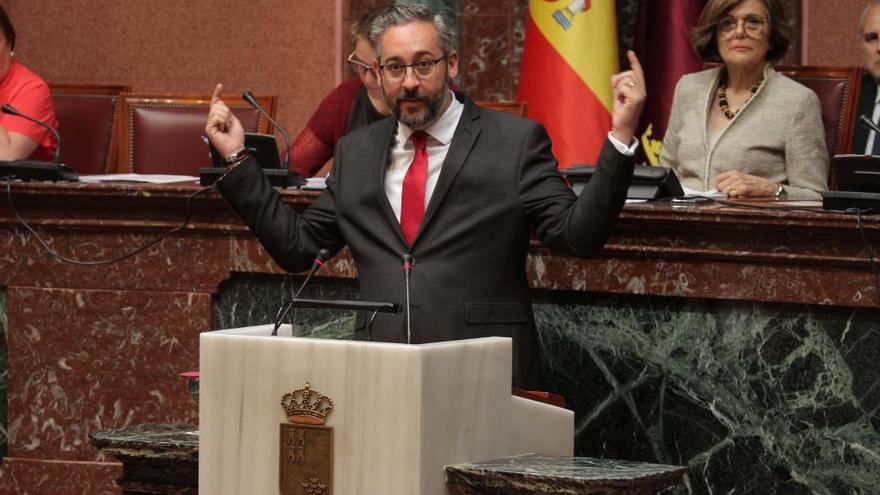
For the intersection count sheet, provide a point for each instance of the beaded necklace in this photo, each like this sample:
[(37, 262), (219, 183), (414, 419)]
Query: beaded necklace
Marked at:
[(722, 97)]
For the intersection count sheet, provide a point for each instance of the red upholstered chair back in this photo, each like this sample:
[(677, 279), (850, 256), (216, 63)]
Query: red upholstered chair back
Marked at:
[(162, 134), (86, 123), (838, 91), (520, 108)]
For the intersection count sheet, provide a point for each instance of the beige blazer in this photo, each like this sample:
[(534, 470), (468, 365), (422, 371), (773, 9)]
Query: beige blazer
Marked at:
[(778, 135)]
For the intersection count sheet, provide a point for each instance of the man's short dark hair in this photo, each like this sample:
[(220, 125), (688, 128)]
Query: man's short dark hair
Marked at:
[(401, 15)]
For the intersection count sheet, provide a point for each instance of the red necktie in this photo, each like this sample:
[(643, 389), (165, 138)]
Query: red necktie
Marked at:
[(412, 202)]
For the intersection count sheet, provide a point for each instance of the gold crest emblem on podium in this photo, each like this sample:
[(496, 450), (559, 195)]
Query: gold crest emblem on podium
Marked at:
[(306, 457)]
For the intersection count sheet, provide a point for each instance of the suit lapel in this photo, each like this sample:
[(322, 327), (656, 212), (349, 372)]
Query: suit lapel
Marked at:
[(389, 128), (703, 116), (462, 143)]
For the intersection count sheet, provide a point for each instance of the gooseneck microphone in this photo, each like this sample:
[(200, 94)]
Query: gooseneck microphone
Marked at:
[(320, 258), (866, 122), (407, 266), (249, 97), (9, 109)]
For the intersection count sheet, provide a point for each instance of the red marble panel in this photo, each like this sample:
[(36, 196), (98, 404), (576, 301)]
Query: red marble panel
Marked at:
[(41, 477), (485, 7), (248, 256), (82, 361), (486, 56), (787, 283), (157, 268)]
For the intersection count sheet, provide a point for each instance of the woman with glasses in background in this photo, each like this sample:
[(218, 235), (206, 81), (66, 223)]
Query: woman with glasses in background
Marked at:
[(355, 103), (742, 128)]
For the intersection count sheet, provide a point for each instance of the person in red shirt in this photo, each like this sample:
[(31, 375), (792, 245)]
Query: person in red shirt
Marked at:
[(30, 95), (355, 103)]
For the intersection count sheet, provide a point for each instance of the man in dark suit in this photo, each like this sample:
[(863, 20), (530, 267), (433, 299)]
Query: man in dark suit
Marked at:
[(866, 141), (458, 187)]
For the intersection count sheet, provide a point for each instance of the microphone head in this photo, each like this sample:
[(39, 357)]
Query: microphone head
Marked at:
[(248, 97), (7, 108), (864, 121), (323, 254), (407, 262)]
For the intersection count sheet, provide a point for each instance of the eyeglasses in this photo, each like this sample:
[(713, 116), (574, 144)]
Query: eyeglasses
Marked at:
[(395, 71), (752, 24), (357, 64)]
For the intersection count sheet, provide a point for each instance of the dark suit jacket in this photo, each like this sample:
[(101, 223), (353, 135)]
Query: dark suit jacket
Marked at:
[(498, 184), (866, 106)]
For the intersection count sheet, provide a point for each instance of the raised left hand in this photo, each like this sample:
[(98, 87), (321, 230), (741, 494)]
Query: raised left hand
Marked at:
[(629, 99), (736, 184)]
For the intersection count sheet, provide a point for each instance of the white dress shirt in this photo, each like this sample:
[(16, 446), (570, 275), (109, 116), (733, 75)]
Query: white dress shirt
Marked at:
[(439, 138)]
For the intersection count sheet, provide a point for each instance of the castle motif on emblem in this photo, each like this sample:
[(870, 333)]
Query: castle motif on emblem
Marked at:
[(305, 461), (314, 487), (564, 17)]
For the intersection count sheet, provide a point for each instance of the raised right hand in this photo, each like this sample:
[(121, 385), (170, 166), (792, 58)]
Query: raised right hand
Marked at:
[(223, 129)]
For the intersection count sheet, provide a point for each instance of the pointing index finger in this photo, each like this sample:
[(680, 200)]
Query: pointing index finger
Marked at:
[(634, 63), (216, 96)]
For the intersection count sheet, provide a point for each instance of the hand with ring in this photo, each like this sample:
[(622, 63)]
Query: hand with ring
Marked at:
[(629, 98)]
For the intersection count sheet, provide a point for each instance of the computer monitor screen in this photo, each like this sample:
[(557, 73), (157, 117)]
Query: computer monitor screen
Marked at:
[(859, 173)]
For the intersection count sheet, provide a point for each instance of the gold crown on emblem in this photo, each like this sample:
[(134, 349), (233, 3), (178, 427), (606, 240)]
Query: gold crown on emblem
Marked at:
[(306, 406)]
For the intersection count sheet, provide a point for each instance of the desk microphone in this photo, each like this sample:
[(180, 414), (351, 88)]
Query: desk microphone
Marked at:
[(9, 109), (408, 263), (320, 258), (249, 97), (867, 123)]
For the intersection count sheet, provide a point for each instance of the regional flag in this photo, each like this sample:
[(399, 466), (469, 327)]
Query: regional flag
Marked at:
[(663, 41), (569, 57)]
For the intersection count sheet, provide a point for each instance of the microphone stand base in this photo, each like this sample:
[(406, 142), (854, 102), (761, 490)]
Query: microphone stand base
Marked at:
[(277, 177), (29, 170)]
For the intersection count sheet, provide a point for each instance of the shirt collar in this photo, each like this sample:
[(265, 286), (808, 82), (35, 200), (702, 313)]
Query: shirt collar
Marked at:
[(877, 98), (444, 128)]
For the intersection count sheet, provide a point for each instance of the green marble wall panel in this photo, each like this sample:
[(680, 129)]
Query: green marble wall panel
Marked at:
[(753, 398), (247, 300)]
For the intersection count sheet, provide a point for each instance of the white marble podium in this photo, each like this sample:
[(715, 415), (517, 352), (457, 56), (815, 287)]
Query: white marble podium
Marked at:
[(402, 412)]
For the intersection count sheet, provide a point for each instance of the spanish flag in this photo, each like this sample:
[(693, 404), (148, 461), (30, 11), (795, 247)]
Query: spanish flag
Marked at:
[(569, 57)]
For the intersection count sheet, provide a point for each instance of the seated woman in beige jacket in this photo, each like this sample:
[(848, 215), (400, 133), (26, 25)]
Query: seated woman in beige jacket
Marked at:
[(742, 128)]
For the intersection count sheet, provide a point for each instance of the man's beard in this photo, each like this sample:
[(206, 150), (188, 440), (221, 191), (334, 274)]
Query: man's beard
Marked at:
[(431, 112)]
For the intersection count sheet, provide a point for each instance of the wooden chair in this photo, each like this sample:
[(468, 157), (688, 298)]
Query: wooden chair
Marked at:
[(163, 134), (86, 114), (838, 90), (520, 108)]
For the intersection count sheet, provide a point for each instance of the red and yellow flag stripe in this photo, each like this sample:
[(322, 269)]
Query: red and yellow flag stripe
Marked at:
[(570, 54)]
